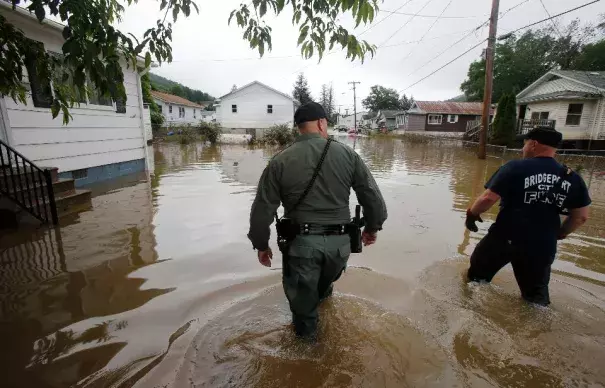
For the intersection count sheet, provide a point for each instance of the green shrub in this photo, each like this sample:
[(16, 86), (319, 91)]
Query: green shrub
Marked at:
[(279, 135), (210, 131), (504, 124), (187, 134)]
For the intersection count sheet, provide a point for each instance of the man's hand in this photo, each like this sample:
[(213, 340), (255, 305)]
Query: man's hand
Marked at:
[(264, 257), (368, 238), (471, 221)]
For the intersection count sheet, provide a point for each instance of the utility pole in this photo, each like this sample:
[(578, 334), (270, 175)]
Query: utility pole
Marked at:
[(354, 83), (489, 78)]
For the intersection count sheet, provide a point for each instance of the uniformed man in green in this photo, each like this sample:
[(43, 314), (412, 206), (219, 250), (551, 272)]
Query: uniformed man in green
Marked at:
[(318, 254)]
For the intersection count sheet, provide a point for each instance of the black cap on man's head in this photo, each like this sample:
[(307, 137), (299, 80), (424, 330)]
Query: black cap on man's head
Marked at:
[(544, 135), (310, 111)]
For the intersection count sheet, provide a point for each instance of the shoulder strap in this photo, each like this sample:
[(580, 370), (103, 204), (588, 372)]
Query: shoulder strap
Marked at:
[(314, 177)]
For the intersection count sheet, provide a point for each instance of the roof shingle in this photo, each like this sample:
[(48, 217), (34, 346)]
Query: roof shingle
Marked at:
[(453, 108), (172, 99)]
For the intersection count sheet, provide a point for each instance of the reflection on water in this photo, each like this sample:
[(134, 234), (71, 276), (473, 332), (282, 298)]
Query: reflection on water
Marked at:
[(158, 286)]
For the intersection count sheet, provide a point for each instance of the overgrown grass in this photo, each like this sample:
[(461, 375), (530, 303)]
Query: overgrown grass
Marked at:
[(185, 134)]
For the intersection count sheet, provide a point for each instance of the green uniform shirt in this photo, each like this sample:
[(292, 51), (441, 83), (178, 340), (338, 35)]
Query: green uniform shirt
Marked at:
[(288, 174)]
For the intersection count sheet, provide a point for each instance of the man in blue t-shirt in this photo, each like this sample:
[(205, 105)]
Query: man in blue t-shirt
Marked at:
[(533, 192)]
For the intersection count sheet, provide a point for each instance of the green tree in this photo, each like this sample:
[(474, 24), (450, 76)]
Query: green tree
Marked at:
[(592, 57), (504, 126), (157, 118), (326, 100), (178, 90), (301, 90), (406, 103), (520, 60), (381, 98), (93, 47)]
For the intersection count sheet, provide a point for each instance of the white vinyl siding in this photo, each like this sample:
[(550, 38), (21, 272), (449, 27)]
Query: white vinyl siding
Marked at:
[(178, 114), (558, 111), (435, 119), (96, 134), (251, 108)]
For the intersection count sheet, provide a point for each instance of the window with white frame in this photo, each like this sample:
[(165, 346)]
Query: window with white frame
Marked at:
[(270, 109), (194, 113), (452, 119), (574, 114), (435, 119), (233, 108), (160, 106), (169, 108), (181, 111)]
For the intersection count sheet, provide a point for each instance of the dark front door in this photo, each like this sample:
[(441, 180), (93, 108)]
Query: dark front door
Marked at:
[(522, 111)]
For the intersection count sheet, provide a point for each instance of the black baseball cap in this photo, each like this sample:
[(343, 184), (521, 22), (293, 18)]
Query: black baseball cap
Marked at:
[(544, 135), (310, 111)]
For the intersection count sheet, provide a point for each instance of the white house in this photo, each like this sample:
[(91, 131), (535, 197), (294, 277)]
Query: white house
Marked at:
[(104, 139), (178, 110), (571, 101), (349, 120), (255, 106)]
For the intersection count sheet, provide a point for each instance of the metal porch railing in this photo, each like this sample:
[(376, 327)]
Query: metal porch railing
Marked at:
[(27, 185)]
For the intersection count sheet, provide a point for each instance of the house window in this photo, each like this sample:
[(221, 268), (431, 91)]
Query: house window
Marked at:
[(540, 115), (169, 108), (181, 111), (40, 88), (452, 119), (270, 109), (233, 108), (160, 106), (435, 119), (194, 113), (79, 174), (574, 114)]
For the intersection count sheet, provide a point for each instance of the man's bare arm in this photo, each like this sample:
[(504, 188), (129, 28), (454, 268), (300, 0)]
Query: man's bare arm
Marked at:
[(577, 217), (484, 202)]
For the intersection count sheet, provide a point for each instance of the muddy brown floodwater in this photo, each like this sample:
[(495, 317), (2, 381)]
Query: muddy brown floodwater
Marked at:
[(157, 286)]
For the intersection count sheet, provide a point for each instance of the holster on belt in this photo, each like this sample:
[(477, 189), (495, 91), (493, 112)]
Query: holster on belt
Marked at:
[(354, 229)]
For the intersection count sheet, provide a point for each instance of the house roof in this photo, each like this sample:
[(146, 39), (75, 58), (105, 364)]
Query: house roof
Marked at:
[(176, 100), (592, 78), (587, 83), (260, 84), (389, 114), (450, 107)]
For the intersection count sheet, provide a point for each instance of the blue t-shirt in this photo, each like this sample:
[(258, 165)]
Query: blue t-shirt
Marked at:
[(534, 193)]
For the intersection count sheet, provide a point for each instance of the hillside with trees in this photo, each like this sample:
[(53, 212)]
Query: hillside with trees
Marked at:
[(521, 59), (165, 85)]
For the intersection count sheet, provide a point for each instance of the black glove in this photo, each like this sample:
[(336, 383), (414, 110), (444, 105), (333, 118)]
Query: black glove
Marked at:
[(471, 221)]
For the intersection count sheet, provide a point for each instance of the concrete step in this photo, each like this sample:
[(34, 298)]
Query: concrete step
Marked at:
[(61, 186), (13, 177), (75, 202)]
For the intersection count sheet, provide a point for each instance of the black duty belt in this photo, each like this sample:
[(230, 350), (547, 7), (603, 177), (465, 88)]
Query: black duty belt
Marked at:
[(323, 230)]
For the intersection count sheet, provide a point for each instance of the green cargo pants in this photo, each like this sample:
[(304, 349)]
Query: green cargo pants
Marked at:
[(311, 265)]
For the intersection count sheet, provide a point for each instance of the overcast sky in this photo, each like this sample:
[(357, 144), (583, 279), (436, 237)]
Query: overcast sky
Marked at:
[(211, 56)]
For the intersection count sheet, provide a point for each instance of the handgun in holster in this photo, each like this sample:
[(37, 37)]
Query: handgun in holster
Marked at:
[(286, 232), (354, 229)]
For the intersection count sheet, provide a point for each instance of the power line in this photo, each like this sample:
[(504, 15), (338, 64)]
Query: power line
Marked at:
[(432, 38), (406, 23), (385, 18), (444, 66), (429, 30), (547, 19), (448, 48), (432, 16), (553, 22), (513, 7), (466, 36)]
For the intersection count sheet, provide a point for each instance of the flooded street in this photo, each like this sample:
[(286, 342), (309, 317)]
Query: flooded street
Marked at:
[(158, 286)]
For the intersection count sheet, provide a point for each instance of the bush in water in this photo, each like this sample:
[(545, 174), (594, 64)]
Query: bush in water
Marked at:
[(210, 131), (280, 135), (187, 134), (503, 133)]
